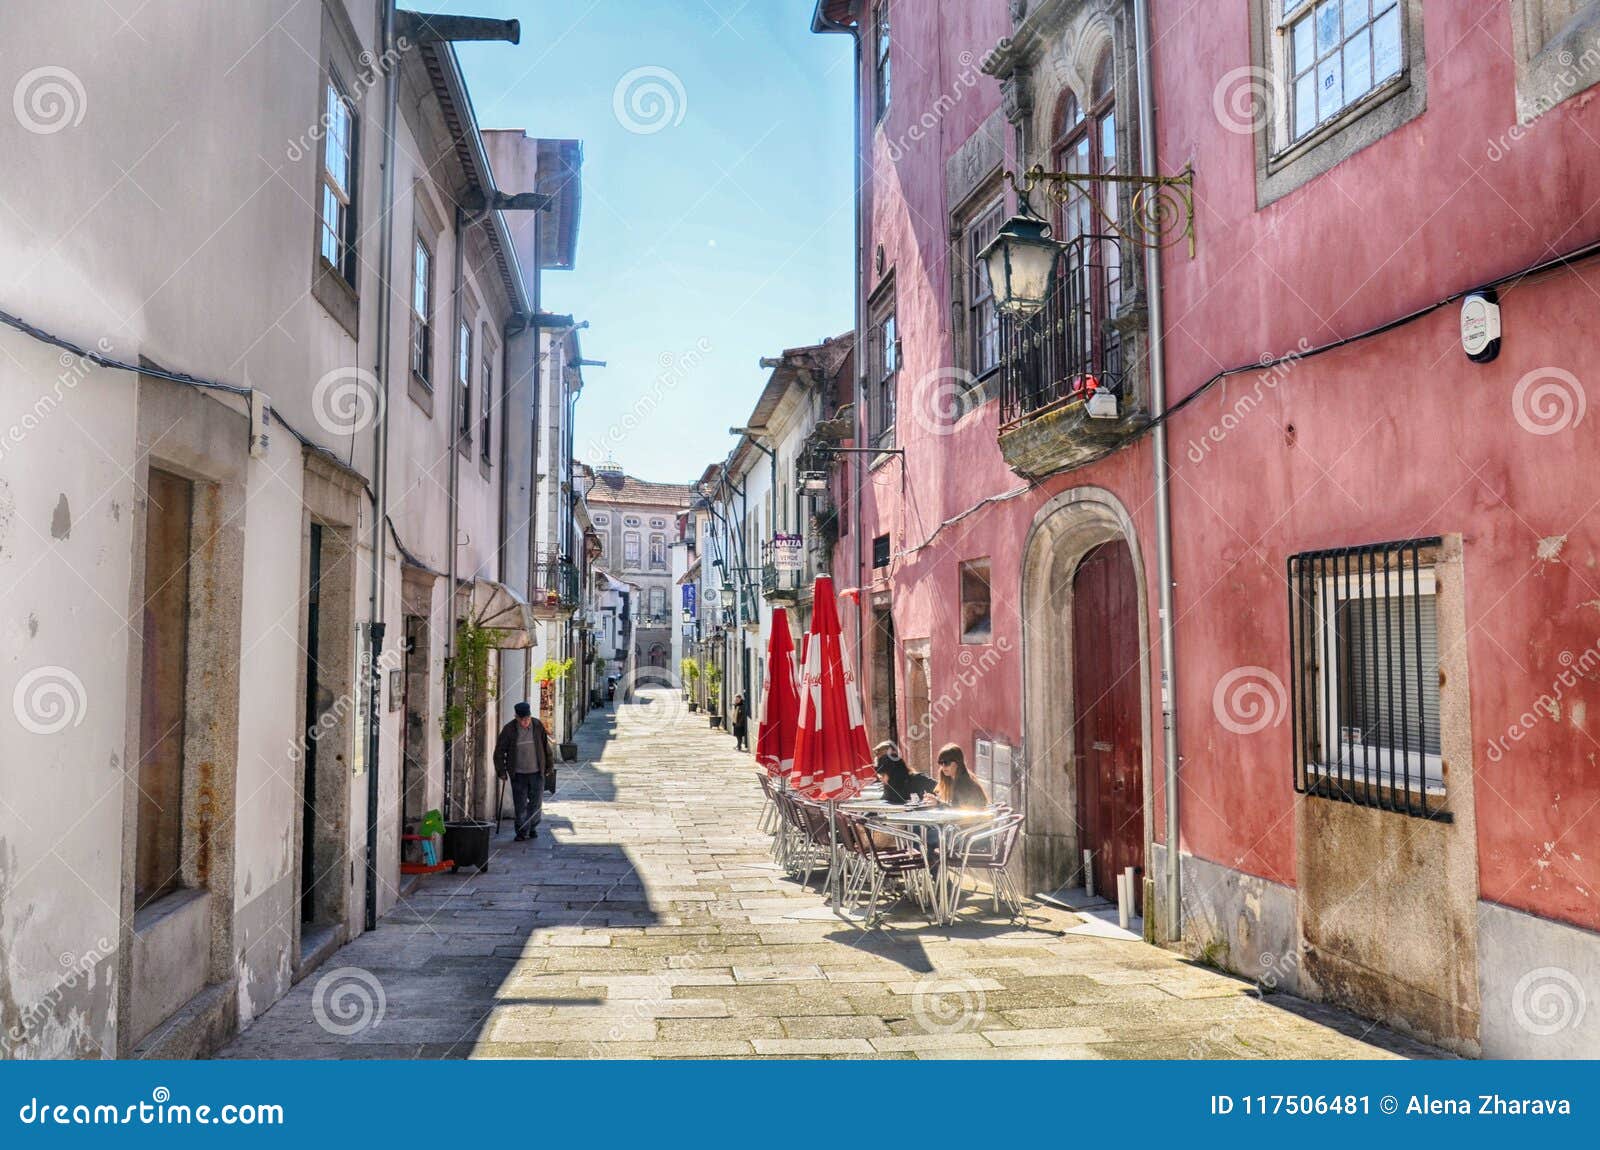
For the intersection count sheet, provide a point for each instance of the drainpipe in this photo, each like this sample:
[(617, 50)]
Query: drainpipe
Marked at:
[(1149, 162), (380, 457), (821, 24)]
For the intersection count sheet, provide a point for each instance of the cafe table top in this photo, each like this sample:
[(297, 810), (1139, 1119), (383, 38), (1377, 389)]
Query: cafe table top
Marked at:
[(934, 816)]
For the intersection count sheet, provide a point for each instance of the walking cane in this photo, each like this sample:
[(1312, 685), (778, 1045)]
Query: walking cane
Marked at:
[(499, 801)]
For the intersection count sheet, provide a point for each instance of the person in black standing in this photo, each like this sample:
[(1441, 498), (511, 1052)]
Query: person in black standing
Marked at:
[(741, 723), (522, 755)]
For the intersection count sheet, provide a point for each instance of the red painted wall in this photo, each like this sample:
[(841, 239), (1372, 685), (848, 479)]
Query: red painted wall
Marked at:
[(1391, 437)]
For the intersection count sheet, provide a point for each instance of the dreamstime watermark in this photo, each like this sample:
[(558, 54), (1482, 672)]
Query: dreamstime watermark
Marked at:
[(49, 99), (1275, 369), (348, 1000), (649, 99), (373, 68), (1276, 971), (643, 711), (640, 999), (940, 398), (1573, 76), (48, 700), (1244, 98), (78, 969), (1548, 400), (675, 368), (970, 671), (967, 79), (347, 401), (1548, 1000), (1547, 707), (75, 369), (1248, 700), (332, 717), (946, 1004)]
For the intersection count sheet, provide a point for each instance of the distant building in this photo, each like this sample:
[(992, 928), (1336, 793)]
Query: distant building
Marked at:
[(636, 523)]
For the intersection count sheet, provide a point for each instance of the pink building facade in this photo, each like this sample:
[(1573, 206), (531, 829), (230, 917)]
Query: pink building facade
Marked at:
[(1385, 553)]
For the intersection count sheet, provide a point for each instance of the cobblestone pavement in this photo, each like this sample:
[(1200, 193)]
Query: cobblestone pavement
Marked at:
[(647, 920)]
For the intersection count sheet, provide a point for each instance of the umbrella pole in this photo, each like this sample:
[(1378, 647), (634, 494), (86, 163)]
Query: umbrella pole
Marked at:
[(835, 871)]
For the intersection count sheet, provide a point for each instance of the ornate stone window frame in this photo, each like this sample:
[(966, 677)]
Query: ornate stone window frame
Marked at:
[(1553, 64)]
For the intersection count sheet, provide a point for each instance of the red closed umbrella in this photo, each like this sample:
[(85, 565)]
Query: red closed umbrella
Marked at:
[(831, 757), (780, 701)]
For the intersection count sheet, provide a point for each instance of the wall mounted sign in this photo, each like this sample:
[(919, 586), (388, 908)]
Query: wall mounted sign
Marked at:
[(689, 600), (786, 552)]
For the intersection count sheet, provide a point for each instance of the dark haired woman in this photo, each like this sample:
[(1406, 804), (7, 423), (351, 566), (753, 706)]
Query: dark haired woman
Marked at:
[(957, 787)]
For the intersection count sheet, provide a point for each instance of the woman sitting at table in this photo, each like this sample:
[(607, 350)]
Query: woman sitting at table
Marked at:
[(900, 783), (956, 786)]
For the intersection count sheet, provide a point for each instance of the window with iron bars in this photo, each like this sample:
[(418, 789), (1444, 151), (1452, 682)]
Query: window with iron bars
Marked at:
[(1365, 652), (1066, 350)]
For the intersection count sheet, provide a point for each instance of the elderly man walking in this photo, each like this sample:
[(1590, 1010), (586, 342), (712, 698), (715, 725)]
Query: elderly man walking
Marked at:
[(522, 754)]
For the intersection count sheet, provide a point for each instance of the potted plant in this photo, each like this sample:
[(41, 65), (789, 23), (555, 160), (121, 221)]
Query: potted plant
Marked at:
[(553, 671), (691, 677), (467, 694), (714, 693)]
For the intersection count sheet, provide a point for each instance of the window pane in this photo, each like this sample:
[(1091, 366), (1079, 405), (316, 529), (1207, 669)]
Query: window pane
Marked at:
[(336, 148), (419, 287), (1371, 651), (1305, 103), (1327, 26), (1355, 15), (1289, 6), (331, 246), (1386, 46), (1357, 67), (1330, 87), (1305, 52), (1108, 145)]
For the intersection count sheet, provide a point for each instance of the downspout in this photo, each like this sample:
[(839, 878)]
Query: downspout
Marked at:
[(821, 24), (1149, 162), (380, 460), (537, 396)]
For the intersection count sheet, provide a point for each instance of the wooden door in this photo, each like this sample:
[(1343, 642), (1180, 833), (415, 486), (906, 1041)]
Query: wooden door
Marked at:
[(1107, 732)]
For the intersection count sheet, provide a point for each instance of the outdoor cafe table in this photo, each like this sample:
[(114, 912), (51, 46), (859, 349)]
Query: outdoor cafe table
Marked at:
[(944, 820)]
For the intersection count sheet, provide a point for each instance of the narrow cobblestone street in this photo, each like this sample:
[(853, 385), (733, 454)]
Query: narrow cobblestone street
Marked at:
[(647, 920)]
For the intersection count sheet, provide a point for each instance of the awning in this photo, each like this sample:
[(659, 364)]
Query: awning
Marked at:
[(499, 609)]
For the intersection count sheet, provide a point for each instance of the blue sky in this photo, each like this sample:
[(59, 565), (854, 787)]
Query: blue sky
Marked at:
[(716, 222)]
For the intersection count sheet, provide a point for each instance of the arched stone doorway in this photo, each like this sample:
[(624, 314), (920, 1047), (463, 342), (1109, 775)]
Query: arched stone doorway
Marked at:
[(1064, 533)]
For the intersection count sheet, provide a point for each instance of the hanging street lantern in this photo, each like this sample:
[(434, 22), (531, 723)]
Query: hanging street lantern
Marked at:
[(1021, 259)]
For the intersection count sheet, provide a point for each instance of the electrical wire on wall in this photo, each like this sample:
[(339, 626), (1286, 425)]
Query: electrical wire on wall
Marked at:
[(202, 384)]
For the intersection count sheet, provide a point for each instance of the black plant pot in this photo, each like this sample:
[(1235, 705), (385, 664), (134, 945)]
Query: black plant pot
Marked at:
[(569, 752), (716, 720), (466, 843), (693, 707)]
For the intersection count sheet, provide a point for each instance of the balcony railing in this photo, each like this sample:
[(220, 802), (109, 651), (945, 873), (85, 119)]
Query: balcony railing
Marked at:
[(554, 587), (1058, 356)]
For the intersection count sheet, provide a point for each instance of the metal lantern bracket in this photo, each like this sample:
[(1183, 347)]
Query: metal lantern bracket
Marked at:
[(1163, 206)]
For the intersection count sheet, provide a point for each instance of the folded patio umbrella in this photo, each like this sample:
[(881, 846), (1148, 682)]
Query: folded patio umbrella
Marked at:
[(832, 759), (780, 701)]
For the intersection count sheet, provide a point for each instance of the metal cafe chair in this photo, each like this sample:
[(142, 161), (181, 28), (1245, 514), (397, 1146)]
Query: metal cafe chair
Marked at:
[(770, 819), (988, 850), (906, 859)]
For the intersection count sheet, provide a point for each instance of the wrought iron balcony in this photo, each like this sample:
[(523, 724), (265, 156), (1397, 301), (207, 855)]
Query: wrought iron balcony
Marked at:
[(1064, 395), (779, 586), (554, 587)]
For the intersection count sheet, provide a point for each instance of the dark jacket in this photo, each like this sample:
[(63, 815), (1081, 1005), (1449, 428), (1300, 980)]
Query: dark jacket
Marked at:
[(505, 748), (741, 718), (900, 782)]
